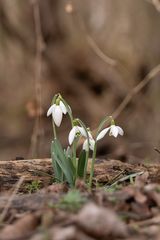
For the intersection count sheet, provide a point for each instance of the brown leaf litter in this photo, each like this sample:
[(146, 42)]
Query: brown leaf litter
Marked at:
[(122, 205)]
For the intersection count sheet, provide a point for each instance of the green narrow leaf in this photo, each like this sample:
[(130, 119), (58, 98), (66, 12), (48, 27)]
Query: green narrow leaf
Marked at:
[(68, 152), (81, 164), (57, 170), (62, 161), (72, 167), (68, 155)]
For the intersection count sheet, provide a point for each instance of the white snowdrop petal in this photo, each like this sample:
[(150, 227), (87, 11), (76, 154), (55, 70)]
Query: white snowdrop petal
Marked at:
[(120, 131), (92, 144), (82, 131), (72, 135), (114, 131), (90, 135), (102, 133), (85, 145), (50, 110), (63, 107), (57, 116)]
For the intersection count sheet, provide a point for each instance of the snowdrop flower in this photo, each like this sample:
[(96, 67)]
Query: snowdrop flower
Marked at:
[(57, 111), (74, 131), (113, 131), (92, 141), (91, 144)]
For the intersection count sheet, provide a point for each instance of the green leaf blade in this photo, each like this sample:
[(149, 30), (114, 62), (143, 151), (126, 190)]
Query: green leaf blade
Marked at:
[(63, 162), (81, 164), (57, 169)]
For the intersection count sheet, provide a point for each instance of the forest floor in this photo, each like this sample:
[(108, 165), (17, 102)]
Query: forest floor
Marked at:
[(124, 203)]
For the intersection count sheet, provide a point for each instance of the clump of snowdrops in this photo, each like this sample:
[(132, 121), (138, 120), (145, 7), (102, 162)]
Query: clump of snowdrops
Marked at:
[(68, 167)]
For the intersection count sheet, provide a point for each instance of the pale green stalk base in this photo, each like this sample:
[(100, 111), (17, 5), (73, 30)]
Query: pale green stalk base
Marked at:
[(92, 165), (86, 165), (75, 157), (54, 129)]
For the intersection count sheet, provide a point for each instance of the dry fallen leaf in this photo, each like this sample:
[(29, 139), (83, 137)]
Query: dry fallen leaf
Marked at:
[(155, 197), (100, 222), (22, 227), (140, 197), (141, 180), (68, 233)]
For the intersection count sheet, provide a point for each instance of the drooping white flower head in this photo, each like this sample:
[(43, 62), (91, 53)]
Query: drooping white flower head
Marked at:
[(115, 130), (57, 110), (74, 131), (91, 144), (92, 141)]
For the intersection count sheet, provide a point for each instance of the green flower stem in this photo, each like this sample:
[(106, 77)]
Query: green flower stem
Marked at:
[(71, 119), (87, 153), (54, 129), (95, 149), (68, 110), (74, 153), (92, 165), (54, 99), (86, 165)]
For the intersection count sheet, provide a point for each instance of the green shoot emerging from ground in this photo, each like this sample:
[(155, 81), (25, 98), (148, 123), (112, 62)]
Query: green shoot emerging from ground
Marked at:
[(72, 201), (68, 167), (33, 186)]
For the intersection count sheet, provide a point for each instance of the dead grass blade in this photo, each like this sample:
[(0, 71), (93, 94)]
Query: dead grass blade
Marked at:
[(8, 204)]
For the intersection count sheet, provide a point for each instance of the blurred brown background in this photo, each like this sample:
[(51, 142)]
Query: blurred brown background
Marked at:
[(62, 46)]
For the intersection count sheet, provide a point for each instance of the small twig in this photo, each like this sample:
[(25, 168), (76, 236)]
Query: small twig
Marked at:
[(8, 204), (135, 90), (157, 150), (108, 60), (125, 178), (156, 4), (114, 63), (115, 178), (38, 71)]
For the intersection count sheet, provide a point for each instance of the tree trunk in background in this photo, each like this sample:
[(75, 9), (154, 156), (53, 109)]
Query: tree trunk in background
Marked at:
[(127, 31)]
